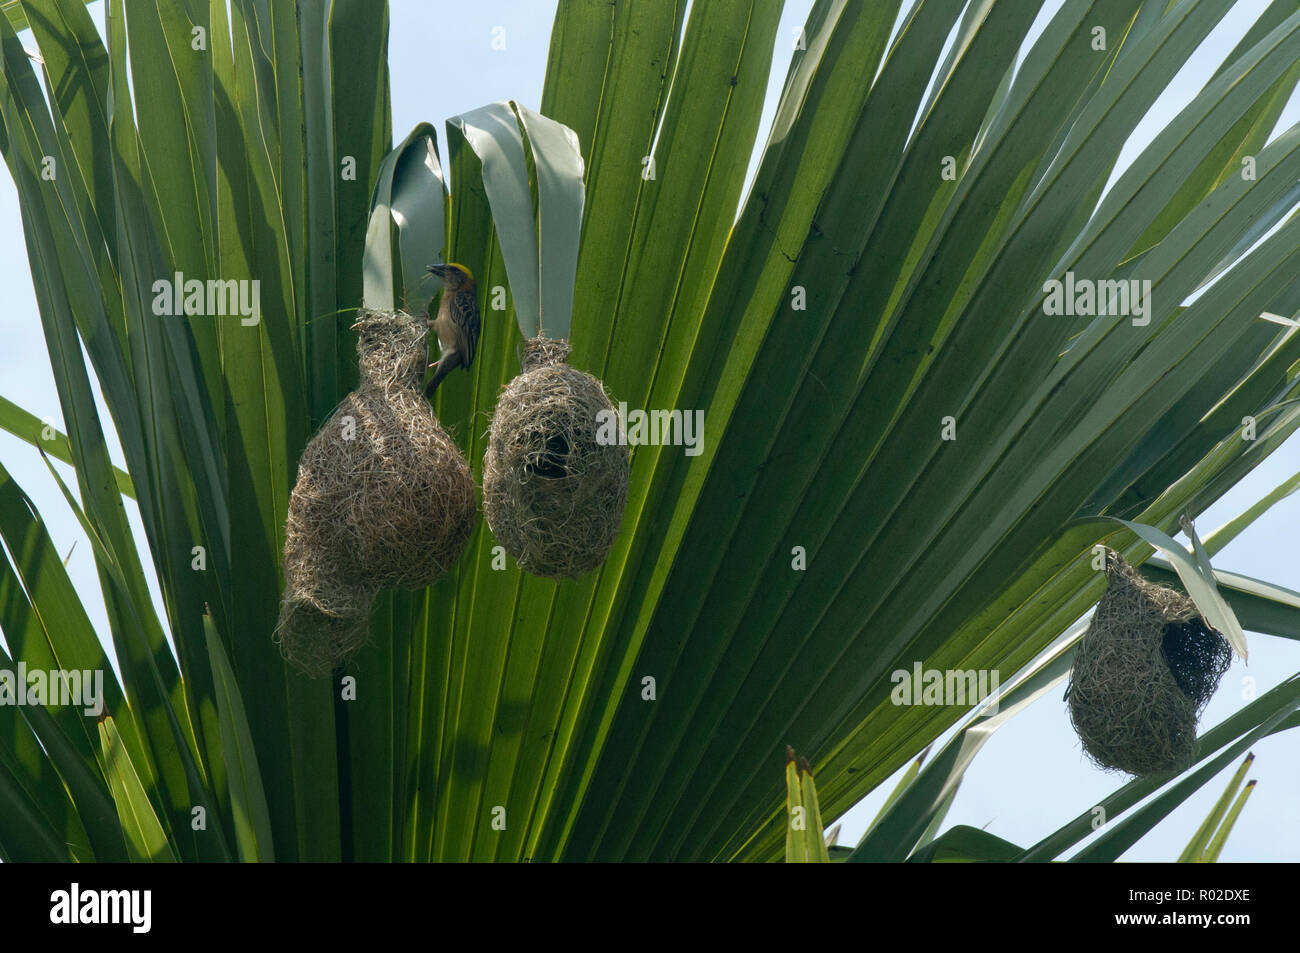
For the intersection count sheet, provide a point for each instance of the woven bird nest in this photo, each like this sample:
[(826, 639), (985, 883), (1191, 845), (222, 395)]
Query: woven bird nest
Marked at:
[(384, 499), (1144, 672), (553, 493)]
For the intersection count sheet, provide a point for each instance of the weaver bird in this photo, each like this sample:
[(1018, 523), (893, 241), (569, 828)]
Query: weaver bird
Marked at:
[(457, 323)]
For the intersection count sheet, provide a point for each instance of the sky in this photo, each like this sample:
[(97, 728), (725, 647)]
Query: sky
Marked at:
[(1031, 777)]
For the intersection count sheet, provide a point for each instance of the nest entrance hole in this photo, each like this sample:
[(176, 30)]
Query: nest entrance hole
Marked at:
[(1197, 656), (553, 462)]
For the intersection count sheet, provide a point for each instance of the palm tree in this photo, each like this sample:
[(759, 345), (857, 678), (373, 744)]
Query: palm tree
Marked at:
[(906, 458)]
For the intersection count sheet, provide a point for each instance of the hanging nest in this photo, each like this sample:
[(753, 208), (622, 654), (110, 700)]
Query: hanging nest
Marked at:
[(384, 499), (1144, 672), (553, 494)]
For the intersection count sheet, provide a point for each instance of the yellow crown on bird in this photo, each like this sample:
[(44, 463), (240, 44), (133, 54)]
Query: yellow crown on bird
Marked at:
[(454, 271)]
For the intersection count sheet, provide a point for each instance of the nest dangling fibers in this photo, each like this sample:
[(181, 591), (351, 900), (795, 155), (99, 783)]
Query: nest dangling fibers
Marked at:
[(553, 491), (1144, 672), (384, 499)]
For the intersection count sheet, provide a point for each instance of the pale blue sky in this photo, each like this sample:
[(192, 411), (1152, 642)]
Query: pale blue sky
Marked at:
[(1031, 777)]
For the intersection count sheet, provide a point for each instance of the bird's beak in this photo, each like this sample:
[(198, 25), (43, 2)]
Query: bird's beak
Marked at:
[(439, 270)]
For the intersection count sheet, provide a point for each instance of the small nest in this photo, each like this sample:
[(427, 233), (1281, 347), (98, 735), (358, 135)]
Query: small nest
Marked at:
[(553, 494), (384, 499), (1144, 672)]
